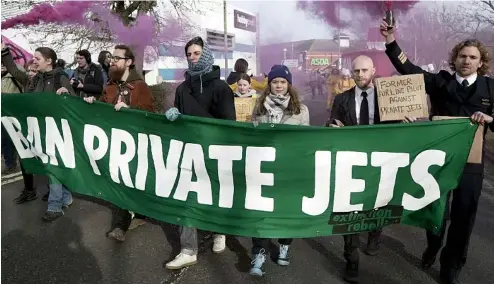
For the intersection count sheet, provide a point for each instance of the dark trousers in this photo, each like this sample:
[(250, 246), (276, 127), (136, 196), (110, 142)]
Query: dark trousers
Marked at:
[(8, 149), (463, 212), (352, 245), (262, 243), (28, 180), (313, 87), (122, 218)]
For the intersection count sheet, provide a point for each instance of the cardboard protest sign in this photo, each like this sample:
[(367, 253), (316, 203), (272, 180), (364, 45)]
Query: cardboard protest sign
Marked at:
[(244, 108), (475, 156), (401, 96)]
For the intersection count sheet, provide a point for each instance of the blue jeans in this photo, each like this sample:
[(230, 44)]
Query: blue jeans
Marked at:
[(59, 196), (8, 149)]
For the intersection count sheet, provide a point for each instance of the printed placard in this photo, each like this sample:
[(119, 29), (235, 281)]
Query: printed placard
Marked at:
[(401, 96), (244, 108)]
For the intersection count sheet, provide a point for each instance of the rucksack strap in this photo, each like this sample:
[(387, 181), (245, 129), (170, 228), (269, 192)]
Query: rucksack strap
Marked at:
[(17, 85), (57, 79)]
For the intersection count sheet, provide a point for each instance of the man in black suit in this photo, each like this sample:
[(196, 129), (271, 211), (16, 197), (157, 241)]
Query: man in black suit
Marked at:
[(357, 106), (465, 93)]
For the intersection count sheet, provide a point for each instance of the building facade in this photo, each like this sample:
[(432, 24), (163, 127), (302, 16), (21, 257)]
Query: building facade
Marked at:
[(242, 39)]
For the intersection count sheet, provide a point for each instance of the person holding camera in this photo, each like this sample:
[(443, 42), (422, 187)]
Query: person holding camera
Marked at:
[(88, 78)]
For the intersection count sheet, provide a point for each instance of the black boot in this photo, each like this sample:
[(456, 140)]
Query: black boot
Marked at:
[(428, 258), (51, 216), (351, 272), (449, 276), (117, 235), (26, 195), (9, 171), (372, 245)]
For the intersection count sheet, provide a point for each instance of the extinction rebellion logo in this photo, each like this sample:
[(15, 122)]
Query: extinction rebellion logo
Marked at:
[(361, 221)]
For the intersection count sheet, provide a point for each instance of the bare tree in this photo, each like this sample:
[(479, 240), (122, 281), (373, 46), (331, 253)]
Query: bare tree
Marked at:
[(483, 11), (63, 37)]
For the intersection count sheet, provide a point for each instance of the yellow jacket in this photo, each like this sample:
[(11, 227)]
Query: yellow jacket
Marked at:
[(331, 82), (343, 85), (254, 84)]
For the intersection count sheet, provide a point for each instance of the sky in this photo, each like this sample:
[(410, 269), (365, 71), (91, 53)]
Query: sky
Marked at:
[(280, 21)]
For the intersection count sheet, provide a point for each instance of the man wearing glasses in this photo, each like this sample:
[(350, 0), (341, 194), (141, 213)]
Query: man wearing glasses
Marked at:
[(125, 89)]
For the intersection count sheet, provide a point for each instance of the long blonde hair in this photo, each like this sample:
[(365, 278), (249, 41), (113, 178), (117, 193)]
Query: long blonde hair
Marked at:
[(294, 106)]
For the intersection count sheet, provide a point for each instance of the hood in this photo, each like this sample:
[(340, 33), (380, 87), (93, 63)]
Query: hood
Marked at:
[(197, 82), (248, 95), (133, 77), (51, 74), (214, 74), (232, 78)]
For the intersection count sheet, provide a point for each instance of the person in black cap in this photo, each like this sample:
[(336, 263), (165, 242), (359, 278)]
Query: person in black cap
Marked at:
[(87, 80), (465, 93)]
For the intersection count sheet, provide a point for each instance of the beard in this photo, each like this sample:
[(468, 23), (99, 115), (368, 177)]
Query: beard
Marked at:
[(116, 73), (363, 84)]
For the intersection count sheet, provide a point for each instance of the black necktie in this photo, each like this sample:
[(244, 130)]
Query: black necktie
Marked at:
[(465, 83), (364, 110)]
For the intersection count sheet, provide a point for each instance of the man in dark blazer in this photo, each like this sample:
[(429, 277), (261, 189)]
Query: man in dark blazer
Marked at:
[(465, 93), (357, 106)]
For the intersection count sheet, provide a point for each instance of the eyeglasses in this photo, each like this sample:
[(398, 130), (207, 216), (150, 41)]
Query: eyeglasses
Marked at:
[(117, 58)]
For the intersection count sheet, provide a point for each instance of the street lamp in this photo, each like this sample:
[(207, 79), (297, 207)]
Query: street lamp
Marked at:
[(284, 53)]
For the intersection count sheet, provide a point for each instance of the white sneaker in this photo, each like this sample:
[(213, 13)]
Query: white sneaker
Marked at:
[(219, 243), (182, 260)]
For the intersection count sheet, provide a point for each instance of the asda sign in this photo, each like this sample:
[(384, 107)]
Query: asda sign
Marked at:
[(319, 61)]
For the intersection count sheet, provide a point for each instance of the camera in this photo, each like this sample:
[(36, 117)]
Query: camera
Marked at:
[(75, 83)]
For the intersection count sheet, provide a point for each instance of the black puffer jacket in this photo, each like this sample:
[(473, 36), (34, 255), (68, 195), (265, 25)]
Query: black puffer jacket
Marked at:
[(232, 78), (215, 101), (92, 81)]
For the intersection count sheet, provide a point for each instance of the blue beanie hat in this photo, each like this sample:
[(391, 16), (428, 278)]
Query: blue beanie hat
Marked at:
[(280, 71)]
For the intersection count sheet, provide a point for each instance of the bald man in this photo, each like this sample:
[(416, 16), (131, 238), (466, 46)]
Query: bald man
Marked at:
[(357, 106)]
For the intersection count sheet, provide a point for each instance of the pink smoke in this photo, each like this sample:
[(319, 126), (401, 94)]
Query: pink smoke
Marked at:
[(142, 33), (61, 13), (328, 10), (139, 35)]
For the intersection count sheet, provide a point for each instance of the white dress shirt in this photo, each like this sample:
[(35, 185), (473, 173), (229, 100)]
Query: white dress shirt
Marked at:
[(358, 102), (470, 79)]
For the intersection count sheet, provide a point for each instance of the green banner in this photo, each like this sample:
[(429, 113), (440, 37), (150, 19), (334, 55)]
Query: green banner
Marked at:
[(238, 179)]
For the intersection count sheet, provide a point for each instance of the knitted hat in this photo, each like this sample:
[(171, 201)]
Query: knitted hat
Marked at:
[(280, 71)]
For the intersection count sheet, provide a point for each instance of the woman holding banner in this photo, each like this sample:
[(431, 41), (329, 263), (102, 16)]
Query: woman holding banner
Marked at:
[(49, 78), (278, 104)]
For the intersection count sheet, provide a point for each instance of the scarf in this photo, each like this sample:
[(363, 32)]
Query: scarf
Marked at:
[(204, 65), (80, 73), (276, 106), (248, 95)]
